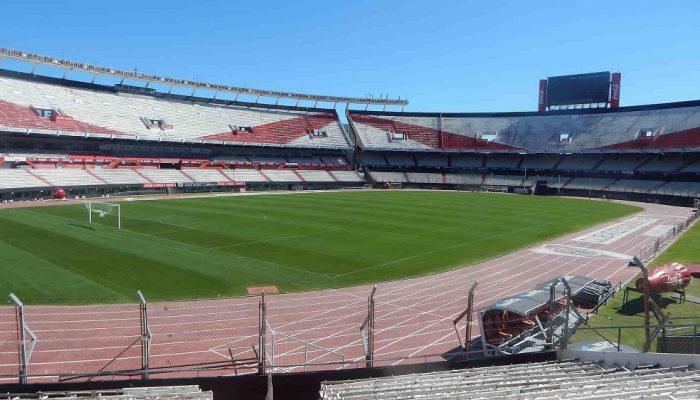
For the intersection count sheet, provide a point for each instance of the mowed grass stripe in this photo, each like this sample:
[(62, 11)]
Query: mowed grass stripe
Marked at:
[(189, 248)]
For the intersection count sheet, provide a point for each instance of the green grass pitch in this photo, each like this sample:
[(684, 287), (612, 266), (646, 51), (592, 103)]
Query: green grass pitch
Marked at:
[(209, 247)]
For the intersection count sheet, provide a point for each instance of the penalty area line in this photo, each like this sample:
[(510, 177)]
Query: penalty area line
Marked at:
[(275, 238)]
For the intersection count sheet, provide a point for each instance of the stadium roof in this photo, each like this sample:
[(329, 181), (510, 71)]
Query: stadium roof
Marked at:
[(173, 82)]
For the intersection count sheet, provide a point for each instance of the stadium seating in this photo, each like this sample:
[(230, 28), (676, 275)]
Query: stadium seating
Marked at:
[(392, 177), (64, 177), (578, 163), (540, 162), (551, 380), (281, 175), (463, 179), (401, 159), (424, 177), (106, 113), (245, 175), (502, 161), (560, 132), (431, 160), (164, 175), (19, 179), (372, 159), (693, 167), (119, 176), (686, 189), (347, 176), (634, 185), (467, 161), (503, 180), (204, 175), (666, 163), (190, 392), (590, 183), (315, 176), (624, 163)]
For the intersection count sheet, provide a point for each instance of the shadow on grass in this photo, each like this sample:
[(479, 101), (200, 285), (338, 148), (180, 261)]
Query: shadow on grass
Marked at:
[(83, 226), (636, 305)]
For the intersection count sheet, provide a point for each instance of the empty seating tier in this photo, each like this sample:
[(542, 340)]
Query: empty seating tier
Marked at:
[(639, 127), (164, 175), (347, 176), (281, 175), (119, 176), (204, 175), (315, 176), (19, 179), (551, 380), (67, 177), (245, 175), (27, 104)]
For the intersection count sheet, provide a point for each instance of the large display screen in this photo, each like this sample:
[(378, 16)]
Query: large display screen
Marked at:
[(578, 89)]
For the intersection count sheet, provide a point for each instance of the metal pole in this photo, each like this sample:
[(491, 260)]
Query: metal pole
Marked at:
[(19, 313), (370, 332), (261, 335), (470, 307), (145, 335), (565, 339), (550, 317)]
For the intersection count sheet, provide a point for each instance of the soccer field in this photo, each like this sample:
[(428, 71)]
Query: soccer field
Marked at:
[(209, 247)]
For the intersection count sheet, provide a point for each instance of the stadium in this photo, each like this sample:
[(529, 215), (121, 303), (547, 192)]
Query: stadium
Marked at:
[(175, 238)]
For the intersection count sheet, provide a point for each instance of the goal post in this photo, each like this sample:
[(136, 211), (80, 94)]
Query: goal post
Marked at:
[(100, 209)]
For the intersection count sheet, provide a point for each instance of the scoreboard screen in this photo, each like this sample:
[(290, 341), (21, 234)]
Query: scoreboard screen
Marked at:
[(578, 89)]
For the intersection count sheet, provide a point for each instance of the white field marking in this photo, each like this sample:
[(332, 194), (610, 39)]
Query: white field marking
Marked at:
[(614, 232), (658, 230), (160, 222), (36, 364), (276, 238), (667, 216), (579, 252), (673, 240)]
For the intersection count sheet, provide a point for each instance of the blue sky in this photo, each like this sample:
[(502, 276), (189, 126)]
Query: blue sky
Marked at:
[(442, 56)]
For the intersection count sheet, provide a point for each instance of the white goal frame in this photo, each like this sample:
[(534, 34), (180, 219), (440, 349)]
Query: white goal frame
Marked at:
[(114, 206)]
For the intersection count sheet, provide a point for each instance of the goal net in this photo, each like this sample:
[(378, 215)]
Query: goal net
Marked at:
[(108, 213)]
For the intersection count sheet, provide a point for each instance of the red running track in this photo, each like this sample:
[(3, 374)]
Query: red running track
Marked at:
[(413, 316)]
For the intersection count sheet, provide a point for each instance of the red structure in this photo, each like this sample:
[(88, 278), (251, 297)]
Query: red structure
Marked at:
[(666, 278), (59, 194), (615, 89)]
